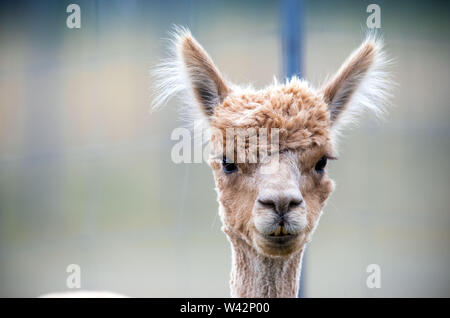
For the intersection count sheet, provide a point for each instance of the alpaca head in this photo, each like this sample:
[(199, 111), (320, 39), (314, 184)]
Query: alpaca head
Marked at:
[(273, 203)]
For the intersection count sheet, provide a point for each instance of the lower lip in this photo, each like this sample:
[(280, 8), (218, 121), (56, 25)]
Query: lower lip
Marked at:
[(282, 239)]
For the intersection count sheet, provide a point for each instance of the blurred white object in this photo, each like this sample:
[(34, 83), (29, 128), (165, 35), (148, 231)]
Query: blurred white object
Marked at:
[(83, 294)]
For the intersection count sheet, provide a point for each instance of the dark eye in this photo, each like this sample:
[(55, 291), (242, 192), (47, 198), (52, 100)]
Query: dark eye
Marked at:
[(228, 167), (321, 164)]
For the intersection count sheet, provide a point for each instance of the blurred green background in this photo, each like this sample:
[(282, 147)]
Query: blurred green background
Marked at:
[(85, 169)]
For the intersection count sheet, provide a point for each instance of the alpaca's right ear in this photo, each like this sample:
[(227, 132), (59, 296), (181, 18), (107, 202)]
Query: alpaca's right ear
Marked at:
[(191, 72), (205, 80)]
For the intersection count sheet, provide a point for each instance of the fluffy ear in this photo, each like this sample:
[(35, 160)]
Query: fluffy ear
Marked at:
[(191, 72), (361, 83)]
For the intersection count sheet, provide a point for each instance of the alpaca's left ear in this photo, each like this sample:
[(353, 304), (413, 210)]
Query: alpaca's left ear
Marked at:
[(361, 83)]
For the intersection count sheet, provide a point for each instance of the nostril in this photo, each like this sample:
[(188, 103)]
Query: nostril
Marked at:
[(295, 204), (280, 204), (268, 204)]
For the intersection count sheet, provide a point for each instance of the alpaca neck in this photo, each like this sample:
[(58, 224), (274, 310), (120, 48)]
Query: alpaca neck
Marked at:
[(256, 275)]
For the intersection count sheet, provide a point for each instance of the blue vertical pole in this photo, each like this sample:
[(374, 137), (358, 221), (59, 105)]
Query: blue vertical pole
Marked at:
[(291, 34)]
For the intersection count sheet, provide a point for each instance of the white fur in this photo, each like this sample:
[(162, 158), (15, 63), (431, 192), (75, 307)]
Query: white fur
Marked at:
[(83, 294), (374, 91), (171, 80)]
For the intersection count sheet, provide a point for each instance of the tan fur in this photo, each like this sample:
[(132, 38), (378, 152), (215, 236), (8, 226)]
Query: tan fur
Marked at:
[(305, 118), (201, 69), (296, 109), (304, 123), (348, 78)]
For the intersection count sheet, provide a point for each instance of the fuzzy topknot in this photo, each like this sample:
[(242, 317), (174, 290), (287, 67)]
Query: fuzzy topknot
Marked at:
[(294, 108)]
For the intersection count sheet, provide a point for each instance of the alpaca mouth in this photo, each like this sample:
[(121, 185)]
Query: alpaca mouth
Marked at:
[(280, 231), (280, 236), (280, 240)]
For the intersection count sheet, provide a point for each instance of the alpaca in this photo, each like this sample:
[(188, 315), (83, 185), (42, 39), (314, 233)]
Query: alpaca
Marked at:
[(269, 218)]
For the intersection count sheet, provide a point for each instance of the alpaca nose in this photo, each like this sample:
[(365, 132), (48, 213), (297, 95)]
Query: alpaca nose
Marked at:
[(282, 202)]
